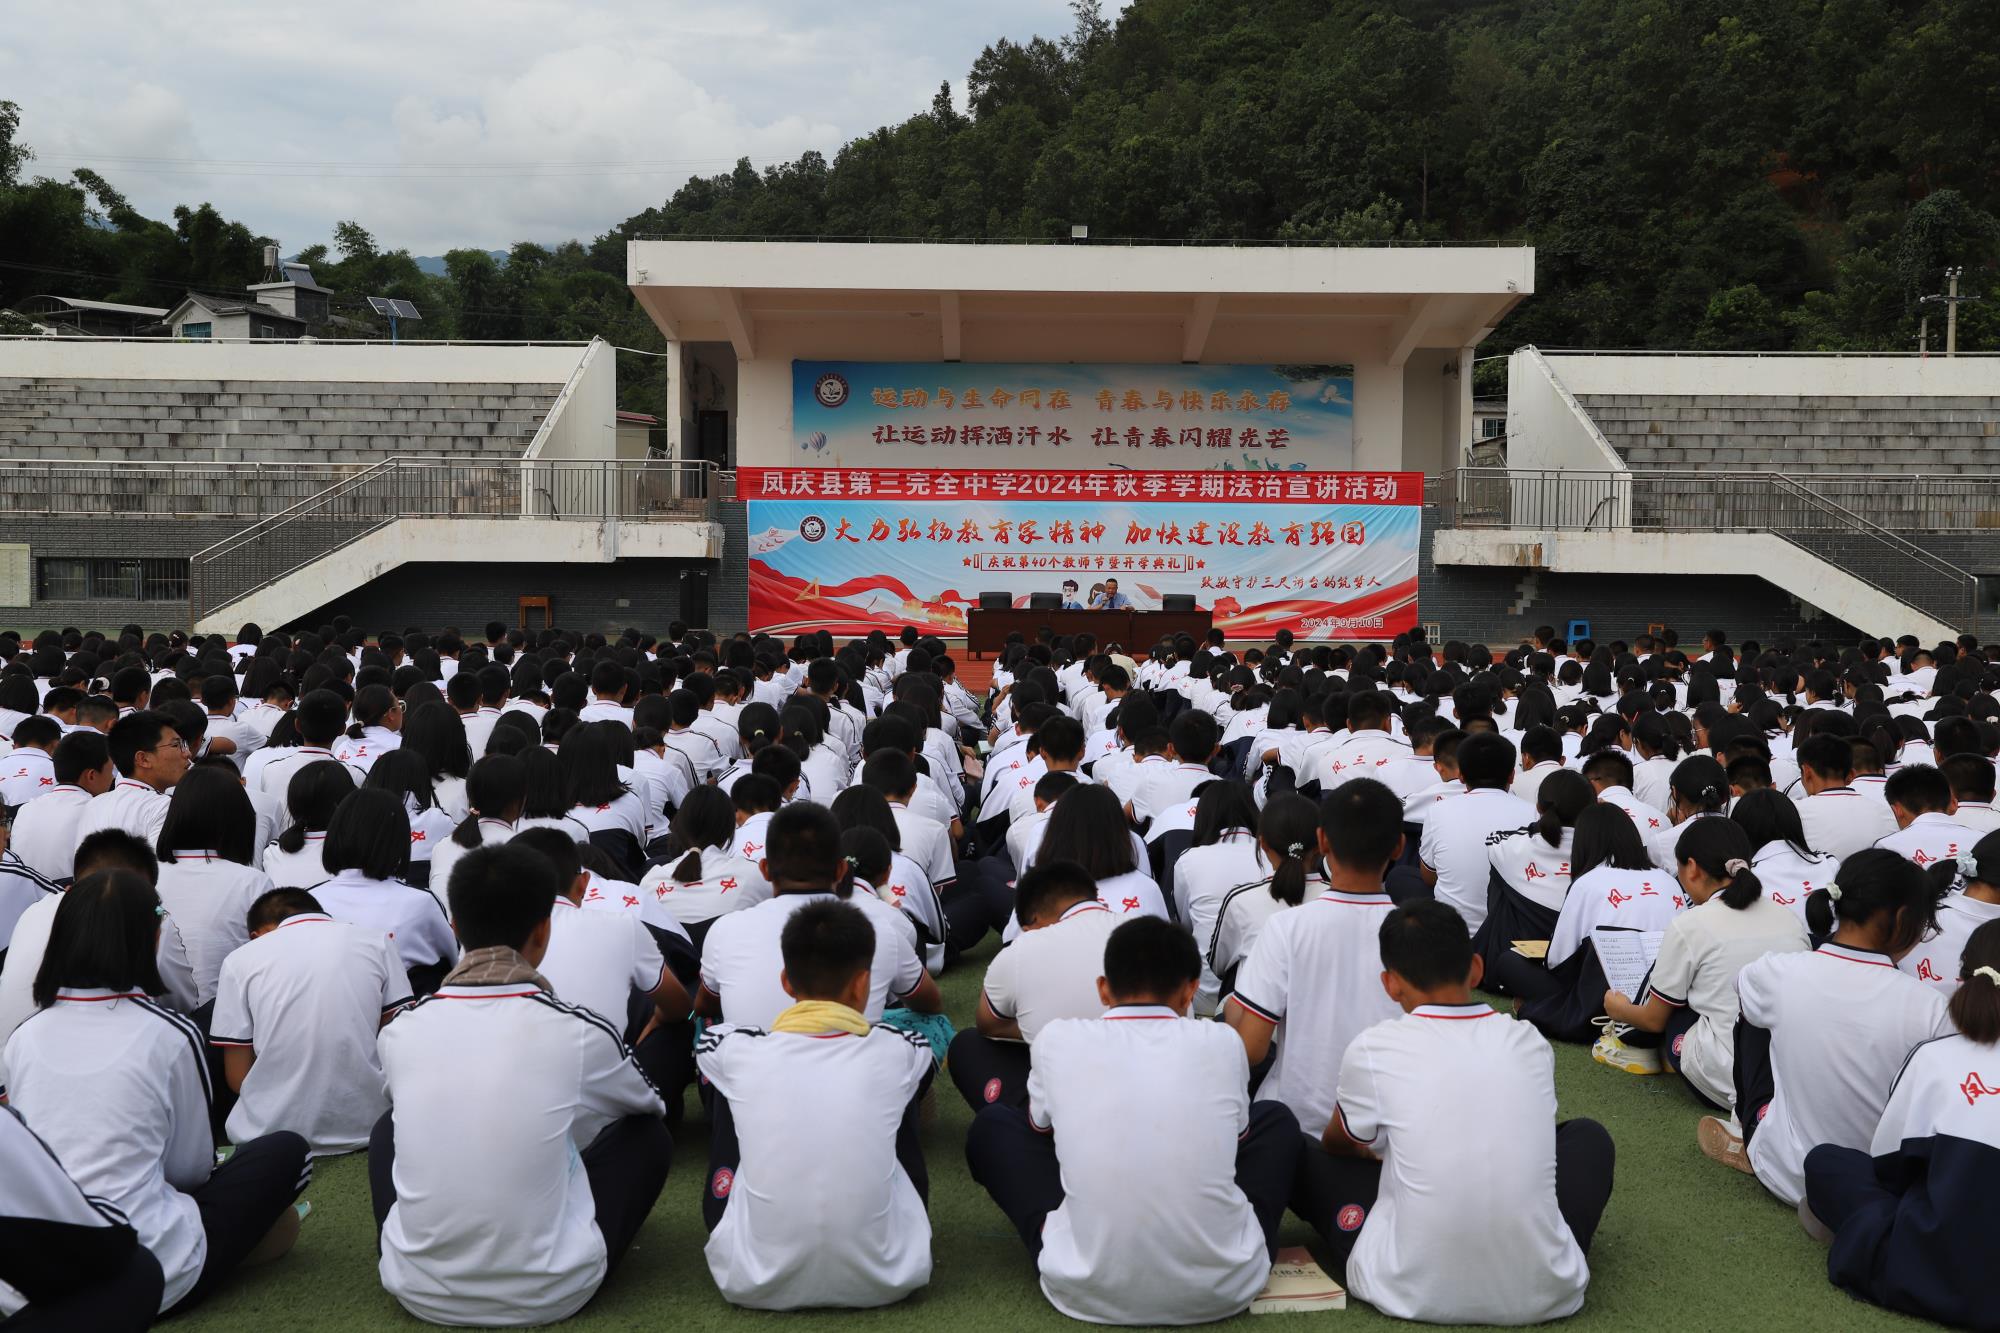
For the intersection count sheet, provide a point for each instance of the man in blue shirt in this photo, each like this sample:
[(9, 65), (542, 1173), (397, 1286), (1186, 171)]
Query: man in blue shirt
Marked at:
[(1111, 599)]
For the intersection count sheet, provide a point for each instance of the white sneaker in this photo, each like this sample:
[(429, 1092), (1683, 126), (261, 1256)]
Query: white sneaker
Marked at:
[(1612, 1050)]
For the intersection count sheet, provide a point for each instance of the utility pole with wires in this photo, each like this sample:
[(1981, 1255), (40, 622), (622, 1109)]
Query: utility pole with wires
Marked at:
[(1950, 300)]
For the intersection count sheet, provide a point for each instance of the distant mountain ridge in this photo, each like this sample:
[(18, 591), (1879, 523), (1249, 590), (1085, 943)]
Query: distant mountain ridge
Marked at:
[(434, 264)]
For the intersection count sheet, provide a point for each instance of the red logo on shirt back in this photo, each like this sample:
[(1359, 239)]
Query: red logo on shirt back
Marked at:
[(1975, 1087), (1131, 904), (1351, 1217), (992, 1093), (1677, 1045), (1925, 972), (724, 1178)]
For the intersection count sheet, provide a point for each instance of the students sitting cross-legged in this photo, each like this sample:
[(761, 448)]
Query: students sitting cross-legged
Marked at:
[(818, 1200), (1445, 1136), (297, 1010), (523, 1146), (1050, 971), (1912, 1216), (1143, 1180), (118, 1088)]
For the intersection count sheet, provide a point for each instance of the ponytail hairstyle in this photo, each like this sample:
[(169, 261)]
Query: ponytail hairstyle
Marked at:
[(707, 818), (866, 856), (372, 703), (756, 727), (1875, 881), (1975, 1005), (1563, 798), (1768, 815), (1721, 850), (311, 797), (1701, 784), (495, 786), (1289, 831), (1654, 737)]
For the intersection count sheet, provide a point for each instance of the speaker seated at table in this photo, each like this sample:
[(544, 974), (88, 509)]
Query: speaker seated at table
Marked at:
[(1177, 601), (995, 601), (1045, 601)]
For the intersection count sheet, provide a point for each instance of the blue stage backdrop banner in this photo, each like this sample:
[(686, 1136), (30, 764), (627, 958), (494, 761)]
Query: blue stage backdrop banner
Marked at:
[(1017, 415)]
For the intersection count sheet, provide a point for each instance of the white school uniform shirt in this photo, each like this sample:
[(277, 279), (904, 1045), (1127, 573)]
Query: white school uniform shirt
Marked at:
[(928, 843), (1652, 780), (29, 773), (1979, 816), (727, 883), (1702, 952), (413, 919), (1168, 785), (821, 1213), (1052, 972), (604, 710), (429, 830), (1945, 1090), (1146, 1109), (45, 831), (1418, 805), (1203, 877), (1454, 846), (309, 997), (262, 719), (600, 959), (741, 961), (1528, 783), (1664, 845), (1789, 878), (1128, 772), (446, 854), (1447, 1094), (1527, 864), (699, 750), (208, 898), (1645, 818), (1317, 974), (1609, 896), (1842, 1021), (275, 777), (479, 726), (246, 738), (1929, 838), (748, 844), (303, 869), (625, 811), (1240, 918), (361, 752), (1360, 754), (1843, 820), (494, 1222), (20, 889), (117, 1087), (1937, 960), (618, 896), (129, 805)]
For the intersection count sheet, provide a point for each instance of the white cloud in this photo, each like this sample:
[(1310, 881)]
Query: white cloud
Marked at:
[(291, 116)]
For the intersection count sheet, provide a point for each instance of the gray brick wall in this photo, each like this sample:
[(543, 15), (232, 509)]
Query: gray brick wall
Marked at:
[(1840, 434), (646, 594)]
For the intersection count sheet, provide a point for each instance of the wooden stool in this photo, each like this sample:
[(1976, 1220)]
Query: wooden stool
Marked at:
[(537, 604)]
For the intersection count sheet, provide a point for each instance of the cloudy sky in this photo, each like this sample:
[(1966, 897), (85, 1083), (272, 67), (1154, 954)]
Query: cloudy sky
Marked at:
[(442, 123)]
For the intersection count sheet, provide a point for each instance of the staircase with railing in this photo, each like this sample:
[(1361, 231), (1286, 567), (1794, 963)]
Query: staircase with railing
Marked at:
[(295, 538)]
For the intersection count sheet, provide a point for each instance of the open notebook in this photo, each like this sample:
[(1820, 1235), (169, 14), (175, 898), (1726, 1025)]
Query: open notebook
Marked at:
[(1298, 1283)]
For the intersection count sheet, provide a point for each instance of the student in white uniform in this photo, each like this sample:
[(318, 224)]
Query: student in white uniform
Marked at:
[(1450, 1094), (1140, 1114), (75, 1260), (1087, 827), (404, 774), (1788, 869), (316, 793), (1836, 818), (819, 1201), (206, 880), (297, 1011), (29, 768), (518, 1213), (495, 793), (1313, 980), (320, 717), (702, 877), (1541, 755), (45, 832), (1828, 1030), (376, 729), (1224, 854), (367, 848), (1935, 960), (1193, 735), (741, 961), (1531, 871), (1048, 972), (1920, 799), (605, 961), (1288, 842), (118, 1087), (1453, 858), (1366, 751), (1910, 1217), (1610, 773), (150, 757)]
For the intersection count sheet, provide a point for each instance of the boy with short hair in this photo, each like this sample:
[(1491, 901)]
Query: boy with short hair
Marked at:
[(1444, 1135), (297, 1010), (45, 831), (1143, 1180), (818, 1201), (523, 1147), (151, 757)]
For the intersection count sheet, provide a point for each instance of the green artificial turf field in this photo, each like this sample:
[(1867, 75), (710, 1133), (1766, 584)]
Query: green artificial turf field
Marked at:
[(1685, 1243)]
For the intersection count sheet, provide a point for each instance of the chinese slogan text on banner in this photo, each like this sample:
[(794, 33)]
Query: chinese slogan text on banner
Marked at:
[(922, 414), (1325, 555)]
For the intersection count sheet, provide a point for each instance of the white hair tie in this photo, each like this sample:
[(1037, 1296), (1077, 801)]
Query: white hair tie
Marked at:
[(1735, 866), (1833, 892), (1295, 849), (1969, 866), (1991, 974)]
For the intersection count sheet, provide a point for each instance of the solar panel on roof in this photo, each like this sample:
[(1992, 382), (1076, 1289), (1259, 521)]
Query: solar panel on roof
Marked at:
[(381, 305), (404, 309)]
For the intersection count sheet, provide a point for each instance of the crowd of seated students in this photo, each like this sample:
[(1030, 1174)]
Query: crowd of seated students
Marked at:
[(289, 895)]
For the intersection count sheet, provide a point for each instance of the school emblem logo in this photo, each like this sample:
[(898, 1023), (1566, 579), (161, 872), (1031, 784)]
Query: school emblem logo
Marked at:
[(1351, 1217), (1677, 1045), (830, 390), (813, 528), (724, 1178), (992, 1093)]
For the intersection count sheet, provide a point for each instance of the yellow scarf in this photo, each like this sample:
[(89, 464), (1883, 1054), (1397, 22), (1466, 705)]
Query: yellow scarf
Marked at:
[(813, 1017)]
